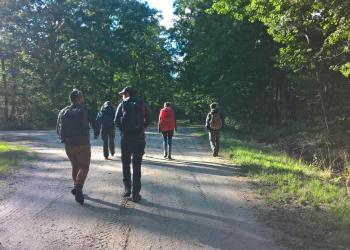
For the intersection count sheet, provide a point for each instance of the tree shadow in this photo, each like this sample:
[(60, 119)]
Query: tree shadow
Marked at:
[(197, 167), (182, 224)]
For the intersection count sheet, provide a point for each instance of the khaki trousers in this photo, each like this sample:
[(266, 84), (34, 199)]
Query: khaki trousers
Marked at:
[(79, 156)]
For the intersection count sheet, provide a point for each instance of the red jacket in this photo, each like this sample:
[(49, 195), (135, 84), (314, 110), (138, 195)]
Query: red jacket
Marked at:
[(166, 119)]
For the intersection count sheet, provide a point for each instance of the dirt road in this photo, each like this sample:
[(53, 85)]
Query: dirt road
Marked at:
[(192, 202)]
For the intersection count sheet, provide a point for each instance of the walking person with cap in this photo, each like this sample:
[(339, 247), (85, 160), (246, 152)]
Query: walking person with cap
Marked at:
[(132, 118), (73, 129), (105, 118)]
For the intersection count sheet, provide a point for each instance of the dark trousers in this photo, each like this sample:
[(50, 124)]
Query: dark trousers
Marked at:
[(79, 157), (108, 136), (167, 141), (214, 139), (132, 151)]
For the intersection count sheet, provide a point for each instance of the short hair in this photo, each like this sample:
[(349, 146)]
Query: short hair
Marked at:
[(167, 104), (213, 106), (75, 94)]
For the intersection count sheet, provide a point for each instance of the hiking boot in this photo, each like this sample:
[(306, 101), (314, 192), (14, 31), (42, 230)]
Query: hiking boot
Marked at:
[(73, 191), (165, 155), (127, 192), (169, 157), (136, 197), (106, 158), (79, 196)]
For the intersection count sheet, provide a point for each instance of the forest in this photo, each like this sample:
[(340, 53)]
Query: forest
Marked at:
[(278, 69)]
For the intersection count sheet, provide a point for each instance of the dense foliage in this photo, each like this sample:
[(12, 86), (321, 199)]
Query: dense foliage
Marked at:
[(224, 60), (264, 61), (270, 62), (49, 47)]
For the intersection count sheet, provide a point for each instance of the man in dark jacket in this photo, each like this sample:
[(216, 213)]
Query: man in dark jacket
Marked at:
[(106, 120), (132, 118), (73, 129), (213, 124)]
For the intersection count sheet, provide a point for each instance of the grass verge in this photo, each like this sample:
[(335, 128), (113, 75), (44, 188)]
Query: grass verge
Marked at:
[(317, 196), (11, 155)]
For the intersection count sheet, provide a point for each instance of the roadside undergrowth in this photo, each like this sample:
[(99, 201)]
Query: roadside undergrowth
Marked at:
[(291, 182), (11, 155)]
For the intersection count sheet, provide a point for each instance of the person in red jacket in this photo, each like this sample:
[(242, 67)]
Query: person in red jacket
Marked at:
[(167, 125)]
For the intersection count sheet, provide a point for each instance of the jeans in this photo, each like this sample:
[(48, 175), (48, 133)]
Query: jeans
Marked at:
[(167, 141)]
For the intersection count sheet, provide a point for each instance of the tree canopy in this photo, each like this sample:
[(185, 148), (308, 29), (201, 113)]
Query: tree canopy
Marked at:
[(49, 47)]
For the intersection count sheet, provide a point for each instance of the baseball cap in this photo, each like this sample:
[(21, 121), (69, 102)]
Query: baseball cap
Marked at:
[(128, 89)]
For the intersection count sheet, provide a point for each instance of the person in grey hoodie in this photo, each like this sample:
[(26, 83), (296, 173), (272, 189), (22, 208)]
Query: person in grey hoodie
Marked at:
[(106, 120)]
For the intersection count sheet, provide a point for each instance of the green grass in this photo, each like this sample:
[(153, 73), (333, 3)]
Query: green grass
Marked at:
[(10, 155), (288, 181), (285, 180)]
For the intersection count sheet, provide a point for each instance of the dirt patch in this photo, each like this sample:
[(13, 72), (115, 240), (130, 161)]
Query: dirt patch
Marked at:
[(302, 228)]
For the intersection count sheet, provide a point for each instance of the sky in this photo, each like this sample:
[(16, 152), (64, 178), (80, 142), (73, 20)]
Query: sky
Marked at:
[(166, 8)]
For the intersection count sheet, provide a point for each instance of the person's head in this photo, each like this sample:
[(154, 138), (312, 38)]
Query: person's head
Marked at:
[(167, 104), (213, 106), (128, 91), (76, 96), (107, 103)]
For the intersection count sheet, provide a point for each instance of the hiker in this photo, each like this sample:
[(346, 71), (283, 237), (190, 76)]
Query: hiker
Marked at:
[(132, 118), (73, 130), (214, 122), (167, 125), (106, 120)]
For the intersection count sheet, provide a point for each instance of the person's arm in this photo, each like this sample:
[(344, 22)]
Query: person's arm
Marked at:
[(58, 124), (159, 120), (147, 117), (94, 124), (99, 117), (118, 116), (207, 122)]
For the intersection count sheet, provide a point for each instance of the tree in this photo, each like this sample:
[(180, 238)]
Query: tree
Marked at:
[(223, 60), (98, 46)]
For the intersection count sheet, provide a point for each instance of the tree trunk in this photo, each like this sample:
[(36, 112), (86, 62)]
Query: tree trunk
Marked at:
[(6, 97), (13, 104), (323, 106), (283, 101)]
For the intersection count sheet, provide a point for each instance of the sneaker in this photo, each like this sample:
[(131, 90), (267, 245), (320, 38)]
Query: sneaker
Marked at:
[(79, 196), (136, 197), (127, 192)]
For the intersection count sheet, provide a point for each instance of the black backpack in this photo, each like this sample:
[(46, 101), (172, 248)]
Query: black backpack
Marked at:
[(133, 119), (107, 120), (74, 122)]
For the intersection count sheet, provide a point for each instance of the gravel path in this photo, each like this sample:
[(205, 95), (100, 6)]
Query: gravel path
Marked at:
[(192, 202)]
